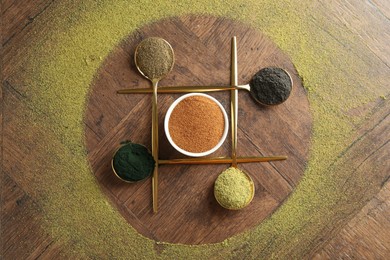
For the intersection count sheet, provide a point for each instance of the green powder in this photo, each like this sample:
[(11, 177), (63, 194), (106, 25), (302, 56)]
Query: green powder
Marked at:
[(55, 82), (133, 162), (154, 57), (233, 189)]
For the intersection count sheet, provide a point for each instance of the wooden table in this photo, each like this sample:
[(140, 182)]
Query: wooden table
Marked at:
[(202, 49)]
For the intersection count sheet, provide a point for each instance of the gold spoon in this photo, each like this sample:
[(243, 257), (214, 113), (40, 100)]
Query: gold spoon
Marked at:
[(234, 116), (190, 89), (154, 59)]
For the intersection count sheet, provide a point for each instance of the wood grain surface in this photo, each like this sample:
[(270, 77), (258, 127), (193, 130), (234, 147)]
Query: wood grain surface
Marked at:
[(186, 191), (366, 236), (188, 212)]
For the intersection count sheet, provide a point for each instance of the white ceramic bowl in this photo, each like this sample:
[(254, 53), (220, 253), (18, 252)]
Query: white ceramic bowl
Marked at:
[(168, 115)]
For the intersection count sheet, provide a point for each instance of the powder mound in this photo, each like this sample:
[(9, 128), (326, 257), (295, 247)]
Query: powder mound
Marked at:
[(233, 189), (271, 86), (133, 162), (196, 124), (154, 57)]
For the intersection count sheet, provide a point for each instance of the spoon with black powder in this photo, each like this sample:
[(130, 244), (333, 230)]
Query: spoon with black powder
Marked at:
[(154, 59), (269, 86)]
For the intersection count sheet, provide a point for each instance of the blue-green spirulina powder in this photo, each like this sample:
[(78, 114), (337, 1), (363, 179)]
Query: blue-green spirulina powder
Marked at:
[(133, 162)]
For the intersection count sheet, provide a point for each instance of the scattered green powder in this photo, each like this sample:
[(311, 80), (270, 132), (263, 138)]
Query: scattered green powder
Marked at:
[(154, 57), (233, 189), (56, 81), (133, 162)]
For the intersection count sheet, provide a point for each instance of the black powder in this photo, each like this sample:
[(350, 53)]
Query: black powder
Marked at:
[(271, 86)]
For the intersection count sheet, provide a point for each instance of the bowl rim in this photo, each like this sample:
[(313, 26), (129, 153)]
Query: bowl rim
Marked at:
[(168, 135)]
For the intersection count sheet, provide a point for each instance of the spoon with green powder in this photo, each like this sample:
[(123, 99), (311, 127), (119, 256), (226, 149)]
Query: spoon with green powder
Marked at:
[(154, 59), (132, 162), (269, 86), (234, 189)]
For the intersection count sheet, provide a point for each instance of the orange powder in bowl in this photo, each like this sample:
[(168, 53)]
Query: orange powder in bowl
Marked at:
[(196, 124)]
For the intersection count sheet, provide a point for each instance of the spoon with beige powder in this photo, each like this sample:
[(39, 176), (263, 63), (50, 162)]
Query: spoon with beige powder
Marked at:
[(154, 59)]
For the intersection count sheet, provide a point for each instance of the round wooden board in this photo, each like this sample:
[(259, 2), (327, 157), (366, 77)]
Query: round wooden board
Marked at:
[(188, 212)]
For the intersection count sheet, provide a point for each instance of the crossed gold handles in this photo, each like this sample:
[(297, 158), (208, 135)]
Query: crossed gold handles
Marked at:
[(234, 87)]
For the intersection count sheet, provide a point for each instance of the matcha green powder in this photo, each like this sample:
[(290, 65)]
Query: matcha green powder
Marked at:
[(233, 189)]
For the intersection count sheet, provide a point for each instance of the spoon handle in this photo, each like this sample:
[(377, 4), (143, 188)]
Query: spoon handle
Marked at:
[(155, 146), (222, 160), (183, 89), (234, 100)]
